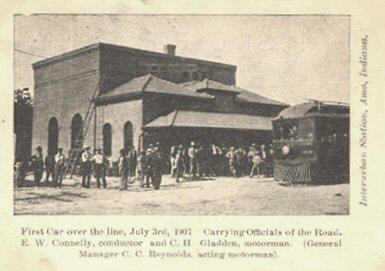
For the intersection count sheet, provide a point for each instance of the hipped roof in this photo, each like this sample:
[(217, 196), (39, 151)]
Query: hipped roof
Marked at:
[(153, 84), (210, 84), (197, 119), (150, 83), (242, 94), (305, 109)]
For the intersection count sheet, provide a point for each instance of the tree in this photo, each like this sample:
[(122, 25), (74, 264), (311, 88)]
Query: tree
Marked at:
[(22, 98), (23, 111)]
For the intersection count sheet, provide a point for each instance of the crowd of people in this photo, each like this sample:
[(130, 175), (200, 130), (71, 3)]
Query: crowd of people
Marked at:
[(183, 162), (212, 160)]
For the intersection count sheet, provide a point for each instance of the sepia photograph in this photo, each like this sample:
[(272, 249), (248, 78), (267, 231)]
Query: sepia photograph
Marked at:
[(212, 115)]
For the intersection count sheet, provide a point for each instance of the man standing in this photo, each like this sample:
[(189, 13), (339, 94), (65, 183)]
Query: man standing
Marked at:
[(179, 162), (173, 151), (250, 155), (132, 157), (49, 163), (141, 167), (99, 165), (257, 160), (148, 167), (240, 154), (232, 161), (192, 160), (20, 171), (37, 164), (216, 157), (86, 167), (263, 165), (123, 170), (269, 161), (59, 167), (157, 162)]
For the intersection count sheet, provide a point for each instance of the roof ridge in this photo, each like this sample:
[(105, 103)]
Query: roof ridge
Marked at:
[(174, 117), (166, 81), (260, 96), (149, 78)]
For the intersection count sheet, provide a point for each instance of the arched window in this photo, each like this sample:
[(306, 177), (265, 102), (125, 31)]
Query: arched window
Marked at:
[(128, 136), (107, 139), (53, 136), (77, 131)]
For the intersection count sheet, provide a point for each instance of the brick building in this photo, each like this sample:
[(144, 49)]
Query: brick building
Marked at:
[(142, 97)]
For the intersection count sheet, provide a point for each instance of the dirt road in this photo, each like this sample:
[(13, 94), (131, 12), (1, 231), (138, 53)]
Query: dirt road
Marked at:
[(223, 196)]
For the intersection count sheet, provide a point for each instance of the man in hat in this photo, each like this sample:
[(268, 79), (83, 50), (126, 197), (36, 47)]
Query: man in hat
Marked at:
[(123, 165), (257, 160), (192, 159), (179, 162), (216, 159), (20, 172), (86, 167), (158, 167), (263, 164), (148, 166), (60, 161), (100, 164), (231, 155), (269, 161), (132, 157), (173, 151), (240, 155), (141, 167), (37, 164), (49, 163), (252, 151)]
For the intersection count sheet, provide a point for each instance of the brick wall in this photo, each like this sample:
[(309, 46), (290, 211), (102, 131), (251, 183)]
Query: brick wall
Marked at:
[(117, 115), (62, 89), (119, 65)]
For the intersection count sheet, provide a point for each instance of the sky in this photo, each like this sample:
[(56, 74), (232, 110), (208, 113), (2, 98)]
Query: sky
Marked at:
[(287, 58)]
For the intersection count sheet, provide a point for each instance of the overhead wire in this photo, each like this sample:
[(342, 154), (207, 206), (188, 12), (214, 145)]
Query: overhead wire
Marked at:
[(27, 53)]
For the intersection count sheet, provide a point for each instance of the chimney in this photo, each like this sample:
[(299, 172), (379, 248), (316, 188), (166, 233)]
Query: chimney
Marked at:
[(169, 49)]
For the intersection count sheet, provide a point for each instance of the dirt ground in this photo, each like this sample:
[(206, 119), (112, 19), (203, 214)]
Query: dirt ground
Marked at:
[(222, 196)]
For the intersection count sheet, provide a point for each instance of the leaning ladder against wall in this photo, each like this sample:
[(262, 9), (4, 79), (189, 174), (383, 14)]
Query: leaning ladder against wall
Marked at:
[(75, 152)]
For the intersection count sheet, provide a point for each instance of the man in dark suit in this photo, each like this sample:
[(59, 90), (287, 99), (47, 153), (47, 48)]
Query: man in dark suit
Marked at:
[(157, 164), (37, 163)]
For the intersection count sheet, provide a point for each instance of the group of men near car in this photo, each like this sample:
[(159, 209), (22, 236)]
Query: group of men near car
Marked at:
[(148, 167), (213, 160)]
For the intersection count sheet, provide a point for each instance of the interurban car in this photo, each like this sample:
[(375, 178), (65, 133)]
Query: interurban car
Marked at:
[(311, 143)]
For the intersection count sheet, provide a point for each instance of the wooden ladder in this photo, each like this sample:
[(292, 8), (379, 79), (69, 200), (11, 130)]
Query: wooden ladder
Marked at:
[(75, 152)]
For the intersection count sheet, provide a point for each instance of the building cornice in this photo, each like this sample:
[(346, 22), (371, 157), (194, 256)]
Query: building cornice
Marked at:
[(98, 46)]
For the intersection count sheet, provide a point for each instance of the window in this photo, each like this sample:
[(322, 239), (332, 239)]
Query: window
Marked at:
[(107, 139), (128, 136), (286, 131), (53, 136), (306, 129), (206, 75), (185, 76), (77, 131)]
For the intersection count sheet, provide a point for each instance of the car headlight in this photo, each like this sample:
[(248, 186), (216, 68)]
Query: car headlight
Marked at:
[(285, 150)]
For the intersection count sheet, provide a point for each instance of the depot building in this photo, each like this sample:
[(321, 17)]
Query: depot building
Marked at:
[(116, 97)]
